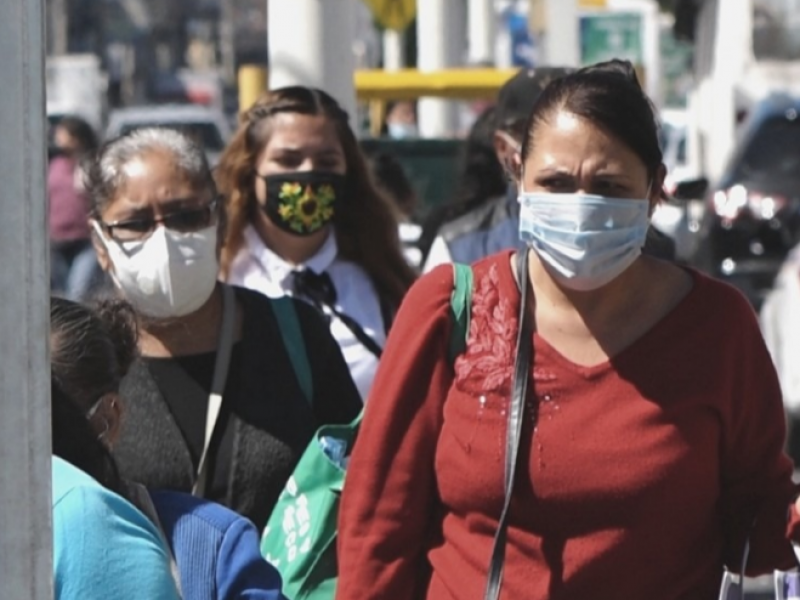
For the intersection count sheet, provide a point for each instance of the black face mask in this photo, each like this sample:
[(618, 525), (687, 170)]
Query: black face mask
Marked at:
[(303, 203)]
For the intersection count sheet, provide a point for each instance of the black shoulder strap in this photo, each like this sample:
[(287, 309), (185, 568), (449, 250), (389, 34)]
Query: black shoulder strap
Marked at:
[(516, 412)]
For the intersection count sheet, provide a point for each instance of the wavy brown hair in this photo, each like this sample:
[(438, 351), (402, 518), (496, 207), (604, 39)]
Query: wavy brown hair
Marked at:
[(365, 225)]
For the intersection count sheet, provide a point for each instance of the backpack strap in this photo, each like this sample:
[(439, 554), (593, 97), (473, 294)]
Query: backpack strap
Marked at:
[(293, 341), (460, 309)]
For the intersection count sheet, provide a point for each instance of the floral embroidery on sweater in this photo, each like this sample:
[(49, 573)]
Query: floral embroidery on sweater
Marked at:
[(487, 366)]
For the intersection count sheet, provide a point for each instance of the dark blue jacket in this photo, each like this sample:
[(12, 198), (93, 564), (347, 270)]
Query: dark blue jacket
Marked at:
[(216, 550)]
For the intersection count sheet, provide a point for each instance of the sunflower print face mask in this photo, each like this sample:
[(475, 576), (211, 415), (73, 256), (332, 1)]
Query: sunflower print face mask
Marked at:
[(303, 203)]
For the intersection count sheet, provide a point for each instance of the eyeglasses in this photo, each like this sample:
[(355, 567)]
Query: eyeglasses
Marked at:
[(184, 221)]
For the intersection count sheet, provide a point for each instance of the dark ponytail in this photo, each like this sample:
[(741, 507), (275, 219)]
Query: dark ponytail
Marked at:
[(91, 351), (75, 441)]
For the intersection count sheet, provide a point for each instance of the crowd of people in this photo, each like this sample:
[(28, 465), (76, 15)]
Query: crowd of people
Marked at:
[(599, 429)]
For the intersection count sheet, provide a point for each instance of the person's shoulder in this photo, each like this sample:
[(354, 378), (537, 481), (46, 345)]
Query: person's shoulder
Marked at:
[(174, 506), (484, 216), (66, 478)]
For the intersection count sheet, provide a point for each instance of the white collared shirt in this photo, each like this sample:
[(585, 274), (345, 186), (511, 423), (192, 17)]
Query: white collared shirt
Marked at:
[(258, 268)]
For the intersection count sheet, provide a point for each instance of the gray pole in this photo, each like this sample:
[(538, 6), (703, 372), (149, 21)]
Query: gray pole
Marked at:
[(25, 504)]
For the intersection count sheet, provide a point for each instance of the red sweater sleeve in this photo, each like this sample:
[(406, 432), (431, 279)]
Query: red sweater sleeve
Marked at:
[(390, 493), (756, 474)]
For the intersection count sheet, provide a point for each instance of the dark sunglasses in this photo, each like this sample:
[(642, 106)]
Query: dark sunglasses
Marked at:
[(186, 220)]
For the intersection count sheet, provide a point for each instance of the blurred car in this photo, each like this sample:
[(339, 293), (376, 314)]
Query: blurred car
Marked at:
[(207, 125), (680, 219), (753, 215)]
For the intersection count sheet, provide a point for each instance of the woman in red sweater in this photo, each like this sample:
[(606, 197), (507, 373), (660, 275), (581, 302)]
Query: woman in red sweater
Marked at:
[(652, 445)]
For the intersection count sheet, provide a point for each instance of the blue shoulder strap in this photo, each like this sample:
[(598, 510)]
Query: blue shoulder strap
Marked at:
[(460, 309), (293, 341)]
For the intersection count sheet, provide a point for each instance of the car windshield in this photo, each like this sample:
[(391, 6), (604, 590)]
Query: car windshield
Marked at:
[(205, 133), (773, 152)]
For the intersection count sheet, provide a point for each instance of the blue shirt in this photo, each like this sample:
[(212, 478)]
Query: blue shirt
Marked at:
[(103, 547), (216, 550)]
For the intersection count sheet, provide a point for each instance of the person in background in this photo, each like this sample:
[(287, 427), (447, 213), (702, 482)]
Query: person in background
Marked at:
[(651, 428), (780, 324), (401, 120), (492, 225), (103, 547), (305, 219), (392, 181), (481, 180), (222, 401), (215, 550), (73, 264)]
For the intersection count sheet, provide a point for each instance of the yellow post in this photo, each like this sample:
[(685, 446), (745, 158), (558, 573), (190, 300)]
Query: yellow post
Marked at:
[(252, 83)]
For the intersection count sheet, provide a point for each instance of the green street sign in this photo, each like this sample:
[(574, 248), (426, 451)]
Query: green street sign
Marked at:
[(611, 35)]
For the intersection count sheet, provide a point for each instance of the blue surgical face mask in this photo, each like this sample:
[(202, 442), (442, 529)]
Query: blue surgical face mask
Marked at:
[(402, 131), (585, 241)]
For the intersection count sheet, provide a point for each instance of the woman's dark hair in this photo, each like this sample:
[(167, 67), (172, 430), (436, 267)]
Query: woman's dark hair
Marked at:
[(392, 180), (482, 176), (366, 227), (91, 351), (81, 131), (609, 96)]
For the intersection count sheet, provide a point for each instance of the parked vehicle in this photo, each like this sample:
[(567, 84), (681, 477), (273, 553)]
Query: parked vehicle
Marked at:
[(753, 216), (208, 125)]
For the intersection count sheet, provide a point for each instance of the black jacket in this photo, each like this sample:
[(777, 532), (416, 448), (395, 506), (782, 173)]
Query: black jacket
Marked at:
[(272, 421)]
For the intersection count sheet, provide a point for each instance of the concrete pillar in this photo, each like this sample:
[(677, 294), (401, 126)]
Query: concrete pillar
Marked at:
[(311, 43), (393, 50), (441, 33), (562, 36), (26, 552), (481, 31)]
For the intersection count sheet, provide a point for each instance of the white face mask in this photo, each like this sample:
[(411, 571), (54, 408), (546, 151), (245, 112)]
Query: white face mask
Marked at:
[(169, 274), (584, 241)]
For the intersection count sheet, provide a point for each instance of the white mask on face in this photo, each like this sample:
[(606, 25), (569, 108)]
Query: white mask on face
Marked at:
[(585, 241), (167, 275)]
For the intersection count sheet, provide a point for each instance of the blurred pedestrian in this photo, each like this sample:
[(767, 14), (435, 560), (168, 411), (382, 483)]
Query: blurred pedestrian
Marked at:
[(306, 219), (228, 391), (215, 551), (481, 180), (780, 323), (401, 120), (73, 264), (649, 430), (393, 182)]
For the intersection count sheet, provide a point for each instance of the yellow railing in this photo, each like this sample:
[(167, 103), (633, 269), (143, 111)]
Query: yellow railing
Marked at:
[(377, 86)]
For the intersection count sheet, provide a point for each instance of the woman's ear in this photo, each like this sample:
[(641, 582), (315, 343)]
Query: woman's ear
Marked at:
[(107, 419), (99, 247)]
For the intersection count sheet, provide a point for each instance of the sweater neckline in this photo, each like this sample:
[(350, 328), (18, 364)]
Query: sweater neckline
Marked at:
[(666, 323)]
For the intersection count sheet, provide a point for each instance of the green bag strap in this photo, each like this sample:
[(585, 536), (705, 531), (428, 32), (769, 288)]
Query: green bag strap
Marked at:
[(460, 309), (295, 344)]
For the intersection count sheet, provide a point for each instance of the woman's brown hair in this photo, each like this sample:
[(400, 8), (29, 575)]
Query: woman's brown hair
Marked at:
[(365, 226)]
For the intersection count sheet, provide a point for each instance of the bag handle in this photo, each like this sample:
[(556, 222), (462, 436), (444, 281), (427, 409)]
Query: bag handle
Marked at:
[(516, 413), (460, 309), (294, 342), (221, 367)]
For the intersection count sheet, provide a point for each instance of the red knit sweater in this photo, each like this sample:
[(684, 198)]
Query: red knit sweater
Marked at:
[(640, 480)]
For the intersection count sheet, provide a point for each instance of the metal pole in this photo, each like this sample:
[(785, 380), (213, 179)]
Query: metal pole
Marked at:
[(26, 552), (59, 21), (393, 55), (441, 42), (311, 43), (482, 24), (562, 39)]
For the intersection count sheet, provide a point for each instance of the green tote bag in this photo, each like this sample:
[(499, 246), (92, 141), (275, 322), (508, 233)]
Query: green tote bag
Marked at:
[(300, 537)]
